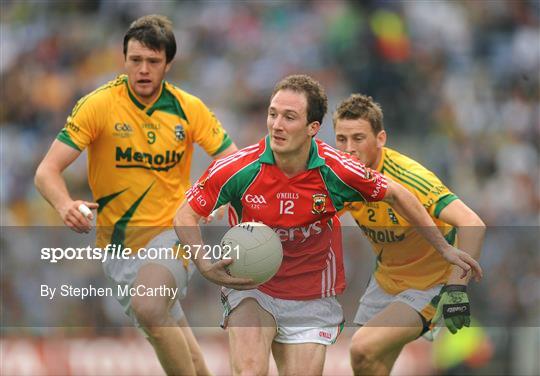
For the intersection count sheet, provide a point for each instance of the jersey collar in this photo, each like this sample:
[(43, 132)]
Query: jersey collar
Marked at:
[(383, 156), (314, 161), (136, 100)]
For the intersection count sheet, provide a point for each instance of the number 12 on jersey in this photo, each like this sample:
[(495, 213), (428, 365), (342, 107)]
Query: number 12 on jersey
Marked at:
[(286, 207)]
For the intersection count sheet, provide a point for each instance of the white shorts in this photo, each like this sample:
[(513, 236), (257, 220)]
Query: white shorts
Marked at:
[(297, 321), (375, 299), (123, 272)]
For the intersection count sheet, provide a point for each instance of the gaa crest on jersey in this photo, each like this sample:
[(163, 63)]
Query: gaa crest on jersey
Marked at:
[(319, 203), (179, 132), (122, 130)]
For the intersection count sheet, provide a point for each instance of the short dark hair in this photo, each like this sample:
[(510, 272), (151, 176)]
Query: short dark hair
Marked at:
[(359, 106), (317, 102), (155, 32)]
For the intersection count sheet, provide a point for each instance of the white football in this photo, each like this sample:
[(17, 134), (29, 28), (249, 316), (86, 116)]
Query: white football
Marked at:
[(255, 249)]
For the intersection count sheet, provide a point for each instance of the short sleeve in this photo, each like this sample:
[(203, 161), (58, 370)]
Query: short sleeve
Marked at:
[(425, 185), (363, 183), (84, 123), (373, 185), (351, 181), (208, 132), (438, 196), (207, 194)]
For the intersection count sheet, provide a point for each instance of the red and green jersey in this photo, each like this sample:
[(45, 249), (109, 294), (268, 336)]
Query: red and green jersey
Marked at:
[(301, 210)]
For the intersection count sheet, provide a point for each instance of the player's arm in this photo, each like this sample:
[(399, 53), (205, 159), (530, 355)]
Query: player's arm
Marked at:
[(453, 305), (408, 205), (52, 186), (186, 225), (220, 212), (471, 232), (210, 134), (229, 150)]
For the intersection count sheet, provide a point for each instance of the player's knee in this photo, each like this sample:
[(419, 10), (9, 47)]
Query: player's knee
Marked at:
[(250, 366), (199, 363), (363, 353), (149, 314)]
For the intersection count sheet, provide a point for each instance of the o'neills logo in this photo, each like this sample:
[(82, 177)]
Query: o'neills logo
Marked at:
[(148, 161), (326, 335), (319, 203)]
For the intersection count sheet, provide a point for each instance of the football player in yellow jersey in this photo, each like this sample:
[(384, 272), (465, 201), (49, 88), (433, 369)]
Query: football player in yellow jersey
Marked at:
[(412, 285), (139, 131)]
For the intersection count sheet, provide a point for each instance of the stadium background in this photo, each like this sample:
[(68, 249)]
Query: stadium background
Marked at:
[(458, 82)]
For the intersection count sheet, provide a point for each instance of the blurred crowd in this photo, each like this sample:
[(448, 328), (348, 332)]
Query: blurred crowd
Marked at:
[(458, 83)]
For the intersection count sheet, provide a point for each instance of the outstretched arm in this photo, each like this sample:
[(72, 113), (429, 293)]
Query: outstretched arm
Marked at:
[(408, 205), (471, 232), (453, 305)]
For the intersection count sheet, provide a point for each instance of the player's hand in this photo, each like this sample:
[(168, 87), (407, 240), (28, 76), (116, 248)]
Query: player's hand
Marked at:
[(218, 214), (217, 273), (465, 261), (74, 218), (454, 308)]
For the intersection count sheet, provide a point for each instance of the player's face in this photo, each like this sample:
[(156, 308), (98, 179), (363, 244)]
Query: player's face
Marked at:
[(287, 123), (355, 136), (146, 69)]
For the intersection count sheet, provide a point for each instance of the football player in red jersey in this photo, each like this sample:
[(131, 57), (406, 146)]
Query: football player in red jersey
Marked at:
[(295, 184)]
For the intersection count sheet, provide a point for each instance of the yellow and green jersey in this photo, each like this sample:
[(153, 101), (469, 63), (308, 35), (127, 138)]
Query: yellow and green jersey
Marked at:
[(139, 156), (404, 259)]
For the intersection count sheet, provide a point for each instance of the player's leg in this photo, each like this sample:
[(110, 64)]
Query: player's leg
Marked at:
[(376, 346), (154, 316), (196, 353), (251, 332), (299, 358), (306, 328)]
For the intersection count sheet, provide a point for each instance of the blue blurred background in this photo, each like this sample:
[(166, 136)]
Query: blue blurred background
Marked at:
[(458, 82)]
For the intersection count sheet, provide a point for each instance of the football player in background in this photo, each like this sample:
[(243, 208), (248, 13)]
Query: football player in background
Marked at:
[(296, 185), (140, 132), (412, 285)]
